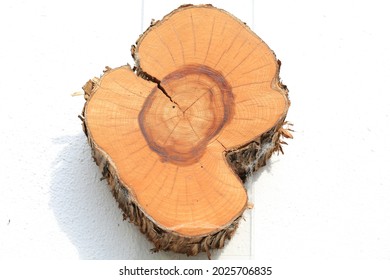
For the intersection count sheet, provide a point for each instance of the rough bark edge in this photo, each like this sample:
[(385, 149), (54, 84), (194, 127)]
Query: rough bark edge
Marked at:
[(250, 158), (244, 161)]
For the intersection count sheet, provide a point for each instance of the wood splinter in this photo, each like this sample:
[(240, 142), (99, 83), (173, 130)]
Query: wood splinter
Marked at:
[(177, 135)]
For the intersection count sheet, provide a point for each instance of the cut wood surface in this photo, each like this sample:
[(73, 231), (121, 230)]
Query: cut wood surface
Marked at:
[(177, 135)]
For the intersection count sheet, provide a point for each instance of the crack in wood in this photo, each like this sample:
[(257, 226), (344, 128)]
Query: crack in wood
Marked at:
[(148, 77)]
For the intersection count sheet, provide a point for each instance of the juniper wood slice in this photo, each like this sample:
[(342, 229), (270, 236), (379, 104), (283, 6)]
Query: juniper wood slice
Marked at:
[(176, 136)]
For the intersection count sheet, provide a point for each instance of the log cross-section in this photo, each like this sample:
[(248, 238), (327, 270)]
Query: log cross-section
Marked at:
[(177, 135)]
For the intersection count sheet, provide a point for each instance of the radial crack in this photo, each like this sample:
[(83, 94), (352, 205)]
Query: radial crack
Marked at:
[(153, 79), (160, 87)]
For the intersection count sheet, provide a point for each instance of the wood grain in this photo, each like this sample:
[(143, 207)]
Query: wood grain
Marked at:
[(176, 136)]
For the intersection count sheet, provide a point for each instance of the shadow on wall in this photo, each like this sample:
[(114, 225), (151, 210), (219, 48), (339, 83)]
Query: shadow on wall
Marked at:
[(88, 213)]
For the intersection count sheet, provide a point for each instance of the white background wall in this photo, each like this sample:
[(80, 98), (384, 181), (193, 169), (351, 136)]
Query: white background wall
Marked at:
[(328, 197)]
